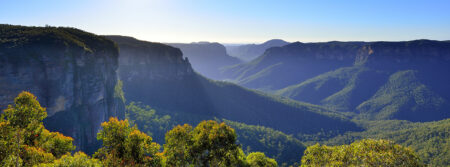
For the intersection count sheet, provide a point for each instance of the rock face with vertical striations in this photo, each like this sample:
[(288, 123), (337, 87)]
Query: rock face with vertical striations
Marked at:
[(73, 74)]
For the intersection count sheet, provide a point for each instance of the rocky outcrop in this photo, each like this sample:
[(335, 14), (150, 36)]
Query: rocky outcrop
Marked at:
[(73, 74)]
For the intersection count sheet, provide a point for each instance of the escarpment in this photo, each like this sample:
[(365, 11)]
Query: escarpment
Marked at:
[(73, 74)]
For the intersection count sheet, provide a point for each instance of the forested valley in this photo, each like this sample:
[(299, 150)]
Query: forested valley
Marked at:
[(74, 98)]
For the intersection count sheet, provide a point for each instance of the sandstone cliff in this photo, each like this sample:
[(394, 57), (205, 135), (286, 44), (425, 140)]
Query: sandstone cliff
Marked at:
[(73, 74)]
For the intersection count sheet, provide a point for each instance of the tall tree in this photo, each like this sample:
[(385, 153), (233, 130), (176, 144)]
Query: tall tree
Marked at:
[(208, 144), (124, 145), (259, 159), (177, 149), (24, 139)]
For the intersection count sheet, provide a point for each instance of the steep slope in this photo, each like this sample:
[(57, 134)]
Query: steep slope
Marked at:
[(251, 51), (207, 58), (183, 92), (389, 80), (73, 74), (280, 67), (405, 97), (342, 89)]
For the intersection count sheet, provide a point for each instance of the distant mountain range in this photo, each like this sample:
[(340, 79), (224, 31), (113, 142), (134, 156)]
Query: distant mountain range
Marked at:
[(249, 52), (283, 66), (207, 58), (377, 80)]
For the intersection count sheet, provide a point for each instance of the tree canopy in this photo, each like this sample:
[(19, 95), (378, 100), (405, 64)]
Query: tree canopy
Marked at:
[(124, 145), (24, 141), (366, 152), (209, 144)]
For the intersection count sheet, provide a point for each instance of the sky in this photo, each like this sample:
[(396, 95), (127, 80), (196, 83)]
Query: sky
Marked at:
[(240, 21)]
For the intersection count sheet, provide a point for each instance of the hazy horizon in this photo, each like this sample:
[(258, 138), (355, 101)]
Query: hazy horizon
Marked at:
[(240, 21)]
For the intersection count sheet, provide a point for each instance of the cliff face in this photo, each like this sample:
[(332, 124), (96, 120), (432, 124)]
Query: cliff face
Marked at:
[(155, 61), (73, 74), (157, 75), (403, 55), (207, 58)]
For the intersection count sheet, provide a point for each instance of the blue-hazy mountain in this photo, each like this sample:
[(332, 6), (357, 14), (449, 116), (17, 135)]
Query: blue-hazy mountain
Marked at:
[(280, 67), (207, 58), (376, 80), (249, 52)]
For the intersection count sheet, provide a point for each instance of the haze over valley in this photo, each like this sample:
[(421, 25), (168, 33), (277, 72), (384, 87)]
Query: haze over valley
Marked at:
[(280, 85)]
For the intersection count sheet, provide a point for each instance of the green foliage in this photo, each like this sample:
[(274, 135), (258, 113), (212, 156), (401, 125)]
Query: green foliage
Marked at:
[(25, 112), (118, 92), (124, 145), (57, 143), (363, 153), (374, 94), (8, 148), (35, 155), (259, 159), (214, 143), (404, 97), (284, 148), (179, 141), (431, 140), (79, 159), (342, 89), (208, 144), (24, 139), (149, 121), (17, 37)]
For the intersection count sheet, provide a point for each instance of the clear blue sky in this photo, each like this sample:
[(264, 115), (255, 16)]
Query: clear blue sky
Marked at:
[(240, 21)]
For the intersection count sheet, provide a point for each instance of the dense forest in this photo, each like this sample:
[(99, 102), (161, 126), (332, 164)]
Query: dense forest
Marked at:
[(26, 142)]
